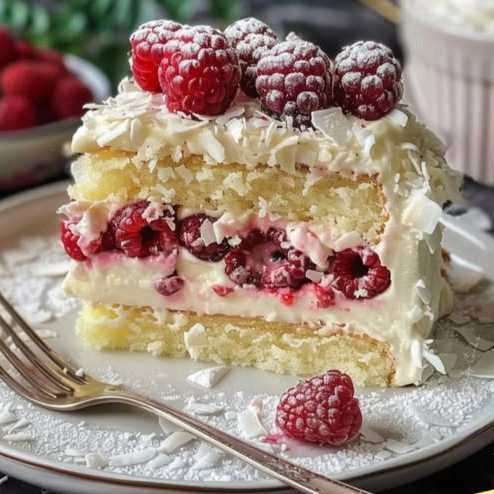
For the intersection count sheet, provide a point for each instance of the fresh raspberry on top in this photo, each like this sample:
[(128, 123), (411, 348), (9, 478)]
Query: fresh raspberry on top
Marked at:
[(367, 80), (8, 51), (321, 410), (359, 274), (146, 51), (251, 38), (199, 72), (16, 112), (294, 78), (69, 96), (27, 78), (70, 241)]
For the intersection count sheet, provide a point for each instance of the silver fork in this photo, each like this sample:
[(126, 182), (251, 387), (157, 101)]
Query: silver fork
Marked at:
[(46, 379)]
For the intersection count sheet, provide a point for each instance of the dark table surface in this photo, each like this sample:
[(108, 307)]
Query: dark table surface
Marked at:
[(475, 474)]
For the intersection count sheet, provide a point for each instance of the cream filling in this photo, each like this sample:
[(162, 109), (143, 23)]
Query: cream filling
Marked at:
[(402, 316)]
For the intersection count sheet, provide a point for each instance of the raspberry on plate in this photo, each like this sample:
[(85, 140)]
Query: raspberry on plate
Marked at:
[(367, 80), (321, 410), (251, 38), (69, 97), (28, 78), (199, 72), (146, 51), (294, 78), (8, 51), (16, 112)]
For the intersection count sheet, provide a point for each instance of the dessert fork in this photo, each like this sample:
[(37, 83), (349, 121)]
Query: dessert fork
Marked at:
[(43, 377)]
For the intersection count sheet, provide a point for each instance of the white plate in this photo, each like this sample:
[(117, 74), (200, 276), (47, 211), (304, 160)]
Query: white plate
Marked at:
[(462, 421)]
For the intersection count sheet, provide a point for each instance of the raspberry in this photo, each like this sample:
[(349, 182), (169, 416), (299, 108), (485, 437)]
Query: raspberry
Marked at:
[(69, 97), (222, 290), (16, 112), (324, 295), (237, 270), (367, 80), (199, 72), (189, 233), (321, 410), (260, 260), (294, 78), (135, 236), (8, 51), (358, 273), (25, 50), (170, 285), (28, 78), (146, 51), (251, 38), (51, 57), (70, 241)]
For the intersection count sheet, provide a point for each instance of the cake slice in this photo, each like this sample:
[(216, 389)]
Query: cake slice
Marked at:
[(291, 238)]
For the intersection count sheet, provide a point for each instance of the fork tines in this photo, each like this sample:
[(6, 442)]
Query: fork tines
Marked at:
[(47, 375)]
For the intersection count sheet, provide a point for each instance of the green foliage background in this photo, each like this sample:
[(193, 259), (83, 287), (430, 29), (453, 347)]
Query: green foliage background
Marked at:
[(98, 30)]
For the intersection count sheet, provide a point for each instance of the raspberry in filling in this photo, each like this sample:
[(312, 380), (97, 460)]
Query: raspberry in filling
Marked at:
[(137, 235), (359, 274), (169, 285), (70, 241), (263, 261), (196, 235)]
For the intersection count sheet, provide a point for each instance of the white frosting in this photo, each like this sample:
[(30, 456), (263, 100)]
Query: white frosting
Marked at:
[(404, 157), (467, 15)]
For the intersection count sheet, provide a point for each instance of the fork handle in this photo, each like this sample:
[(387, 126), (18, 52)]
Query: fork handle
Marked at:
[(293, 475)]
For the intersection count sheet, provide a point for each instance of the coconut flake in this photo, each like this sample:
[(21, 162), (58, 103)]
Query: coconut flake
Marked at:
[(203, 408), (474, 339), (208, 378), (423, 292), (399, 447), (4, 479), (195, 338), (160, 461), (18, 437), (54, 269), (21, 424), (249, 422), (433, 359), (422, 213), (96, 460), (312, 275), (206, 457), (207, 232), (175, 440), (398, 118), (333, 124), (484, 367), (369, 435), (133, 458), (6, 415)]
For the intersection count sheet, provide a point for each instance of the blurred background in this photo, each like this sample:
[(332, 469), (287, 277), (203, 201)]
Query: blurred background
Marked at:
[(98, 30)]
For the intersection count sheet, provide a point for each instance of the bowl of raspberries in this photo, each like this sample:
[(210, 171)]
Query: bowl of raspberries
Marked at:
[(42, 95)]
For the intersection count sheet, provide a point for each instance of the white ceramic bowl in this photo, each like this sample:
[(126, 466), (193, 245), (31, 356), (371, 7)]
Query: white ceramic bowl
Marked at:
[(450, 80), (33, 155)]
